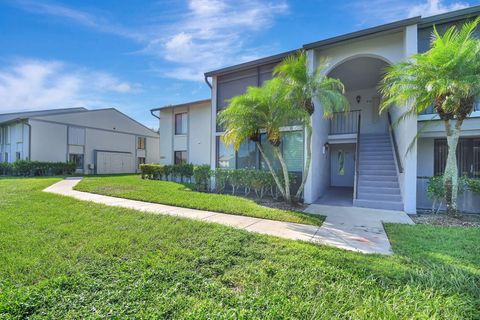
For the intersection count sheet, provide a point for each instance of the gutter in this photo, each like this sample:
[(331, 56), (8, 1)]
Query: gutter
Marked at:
[(152, 112), (208, 82)]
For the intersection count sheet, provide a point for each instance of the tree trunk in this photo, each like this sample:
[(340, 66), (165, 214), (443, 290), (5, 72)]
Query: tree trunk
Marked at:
[(269, 165), (308, 160), (286, 178), (450, 177)]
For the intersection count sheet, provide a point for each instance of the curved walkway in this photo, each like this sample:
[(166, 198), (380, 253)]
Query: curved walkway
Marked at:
[(330, 233)]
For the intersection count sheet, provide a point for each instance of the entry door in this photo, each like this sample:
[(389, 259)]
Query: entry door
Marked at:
[(342, 165)]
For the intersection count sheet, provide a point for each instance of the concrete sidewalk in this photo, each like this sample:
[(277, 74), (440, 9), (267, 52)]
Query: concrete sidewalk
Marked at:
[(332, 232)]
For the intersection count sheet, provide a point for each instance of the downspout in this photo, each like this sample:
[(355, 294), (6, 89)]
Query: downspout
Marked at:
[(29, 140), (153, 114), (208, 82)]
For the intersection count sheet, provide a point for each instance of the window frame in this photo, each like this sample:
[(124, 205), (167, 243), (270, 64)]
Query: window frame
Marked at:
[(182, 161), (181, 131), (139, 163), (141, 143), (465, 154), (81, 164)]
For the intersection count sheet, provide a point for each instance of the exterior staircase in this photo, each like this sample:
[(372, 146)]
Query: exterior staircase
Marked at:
[(377, 179)]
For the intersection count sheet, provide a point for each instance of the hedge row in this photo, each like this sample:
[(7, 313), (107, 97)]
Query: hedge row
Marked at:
[(36, 168), (243, 181)]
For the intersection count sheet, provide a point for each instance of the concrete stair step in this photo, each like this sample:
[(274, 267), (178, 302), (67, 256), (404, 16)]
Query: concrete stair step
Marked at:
[(375, 172), (377, 166), (387, 205), (380, 197), (387, 157), (377, 178), (378, 190), (379, 162), (378, 183)]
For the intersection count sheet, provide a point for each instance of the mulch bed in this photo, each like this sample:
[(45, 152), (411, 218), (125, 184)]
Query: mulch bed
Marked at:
[(463, 220), (279, 204)]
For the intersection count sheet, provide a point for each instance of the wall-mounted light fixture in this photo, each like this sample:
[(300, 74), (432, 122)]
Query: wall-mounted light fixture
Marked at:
[(325, 147), (359, 98)]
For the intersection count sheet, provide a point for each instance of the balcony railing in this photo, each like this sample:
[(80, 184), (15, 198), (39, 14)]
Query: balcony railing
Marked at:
[(344, 122)]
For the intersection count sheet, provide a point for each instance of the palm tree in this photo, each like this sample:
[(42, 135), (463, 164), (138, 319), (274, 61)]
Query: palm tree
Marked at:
[(261, 109), (447, 77), (303, 88)]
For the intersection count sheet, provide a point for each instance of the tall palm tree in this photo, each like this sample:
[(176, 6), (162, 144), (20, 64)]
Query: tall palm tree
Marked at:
[(447, 77), (303, 88), (261, 109)]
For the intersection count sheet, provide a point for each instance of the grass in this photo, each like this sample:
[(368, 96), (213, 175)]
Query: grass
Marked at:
[(63, 258), (177, 194)]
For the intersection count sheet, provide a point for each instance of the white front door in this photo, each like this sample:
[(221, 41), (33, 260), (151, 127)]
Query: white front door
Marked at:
[(342, 165)]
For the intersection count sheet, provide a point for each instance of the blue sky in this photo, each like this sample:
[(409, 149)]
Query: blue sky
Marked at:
[(137, 55)]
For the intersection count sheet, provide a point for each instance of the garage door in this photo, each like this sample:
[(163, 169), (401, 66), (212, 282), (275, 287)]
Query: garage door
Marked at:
[(114, 162)]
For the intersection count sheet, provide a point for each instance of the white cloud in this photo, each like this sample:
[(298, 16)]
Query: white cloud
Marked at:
[(213, 34), (372, 12), (433, 7), (38, 84), (208, 35)]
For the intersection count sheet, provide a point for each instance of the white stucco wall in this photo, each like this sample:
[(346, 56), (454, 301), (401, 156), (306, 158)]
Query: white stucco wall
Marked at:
[(371, 121), (17, 140), (425, 157), (199, 147), (49, 141), (107, 141), (392, 48), (54, 141), (197, 140)]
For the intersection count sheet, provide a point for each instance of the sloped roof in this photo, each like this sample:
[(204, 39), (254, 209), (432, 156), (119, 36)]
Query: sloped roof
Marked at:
[(7, 117)]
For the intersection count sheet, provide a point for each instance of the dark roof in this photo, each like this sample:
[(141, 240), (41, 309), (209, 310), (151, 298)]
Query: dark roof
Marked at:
[(251, 64), (7, 117), (385, 28), (450, 16), (182, 104)]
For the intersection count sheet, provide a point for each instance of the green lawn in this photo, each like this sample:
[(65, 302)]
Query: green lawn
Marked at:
[(177, 194), (63, 258)]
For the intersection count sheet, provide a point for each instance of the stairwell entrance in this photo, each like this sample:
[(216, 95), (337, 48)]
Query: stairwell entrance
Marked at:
[(361, 156)]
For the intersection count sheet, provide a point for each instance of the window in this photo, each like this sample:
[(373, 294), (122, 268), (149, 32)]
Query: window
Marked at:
[(180, 157), (6, 135), (140, 161), (247, 155), (77, 159), (6, 157), (141, 142), (431, 110), (468, 157), (225, 155), (18, 156), (292, 148), (181, 123)]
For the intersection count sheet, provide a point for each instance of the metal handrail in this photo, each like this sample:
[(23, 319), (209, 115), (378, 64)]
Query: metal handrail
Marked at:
[(344, 122), (395, 145), (357, 157)]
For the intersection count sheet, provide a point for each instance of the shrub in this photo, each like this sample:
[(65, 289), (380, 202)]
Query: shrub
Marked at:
[(151, 171), (221, 179), (436, 190), (474, 186), (5, 168), (201, 175), (37, 168)]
